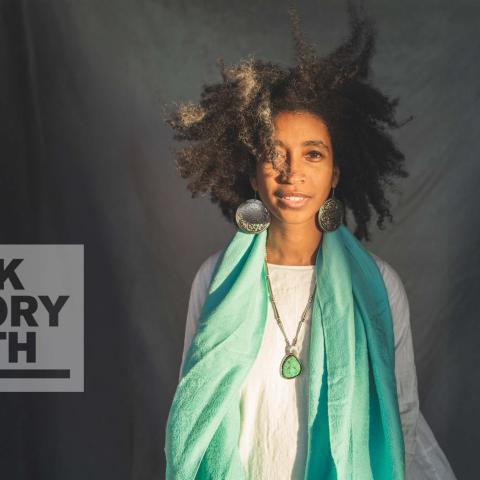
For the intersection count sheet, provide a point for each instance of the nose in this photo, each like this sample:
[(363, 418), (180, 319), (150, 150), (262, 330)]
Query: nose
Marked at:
[(290, 168)]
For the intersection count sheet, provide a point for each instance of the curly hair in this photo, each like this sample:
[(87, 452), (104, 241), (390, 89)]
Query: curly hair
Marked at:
[(231, 128)]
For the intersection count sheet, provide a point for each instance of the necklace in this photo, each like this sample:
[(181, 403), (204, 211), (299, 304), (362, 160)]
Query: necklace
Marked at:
[(290, 366)]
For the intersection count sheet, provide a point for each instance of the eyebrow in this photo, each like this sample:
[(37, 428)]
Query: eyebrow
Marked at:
[(317, 143)]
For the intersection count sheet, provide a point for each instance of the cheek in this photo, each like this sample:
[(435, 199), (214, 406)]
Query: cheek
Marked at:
[(265, 179), (321, 176)]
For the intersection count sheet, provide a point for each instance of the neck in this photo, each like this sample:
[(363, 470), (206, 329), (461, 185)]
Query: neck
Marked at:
[(293, 244)]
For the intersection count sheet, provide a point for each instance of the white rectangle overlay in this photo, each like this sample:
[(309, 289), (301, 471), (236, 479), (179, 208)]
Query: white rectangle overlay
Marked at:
[(41, 318)]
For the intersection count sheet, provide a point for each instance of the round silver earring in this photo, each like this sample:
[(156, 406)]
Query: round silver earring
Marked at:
[(252, 216), (331, 213)]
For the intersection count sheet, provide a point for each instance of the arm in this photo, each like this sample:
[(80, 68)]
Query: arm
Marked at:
[(198, 294), (405, 371)]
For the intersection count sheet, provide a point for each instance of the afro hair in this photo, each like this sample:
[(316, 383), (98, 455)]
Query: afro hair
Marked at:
[(231, 128)]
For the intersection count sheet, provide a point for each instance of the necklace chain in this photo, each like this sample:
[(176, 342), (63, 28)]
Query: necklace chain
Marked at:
[(276, 314)]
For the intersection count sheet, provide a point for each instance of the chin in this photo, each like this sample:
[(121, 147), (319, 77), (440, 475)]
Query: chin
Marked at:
[(294, 217)]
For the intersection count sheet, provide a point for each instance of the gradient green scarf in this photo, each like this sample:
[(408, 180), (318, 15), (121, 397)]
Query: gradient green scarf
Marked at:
[(354, 429)]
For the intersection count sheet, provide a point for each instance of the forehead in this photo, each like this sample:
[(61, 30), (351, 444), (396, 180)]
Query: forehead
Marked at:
[(299, 127)]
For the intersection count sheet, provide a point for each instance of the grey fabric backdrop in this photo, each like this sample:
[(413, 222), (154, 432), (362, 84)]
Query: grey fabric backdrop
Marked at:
[(85, 159)]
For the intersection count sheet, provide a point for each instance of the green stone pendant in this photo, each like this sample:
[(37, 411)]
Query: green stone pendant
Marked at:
[(290, 366)]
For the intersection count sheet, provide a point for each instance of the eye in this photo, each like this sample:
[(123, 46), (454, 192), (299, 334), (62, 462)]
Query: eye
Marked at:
[(315, 154)]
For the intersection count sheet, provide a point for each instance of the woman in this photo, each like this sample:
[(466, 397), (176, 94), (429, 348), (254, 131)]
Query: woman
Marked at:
[(298, 359)]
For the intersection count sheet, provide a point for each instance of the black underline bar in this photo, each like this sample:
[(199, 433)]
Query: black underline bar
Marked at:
[(34, 373)]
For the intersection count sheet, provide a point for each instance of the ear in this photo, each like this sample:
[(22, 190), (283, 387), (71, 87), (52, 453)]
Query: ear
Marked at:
[(253, 183), (336, 176)]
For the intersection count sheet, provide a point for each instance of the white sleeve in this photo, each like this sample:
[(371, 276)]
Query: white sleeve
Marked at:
[(405, 370), (198, 294)]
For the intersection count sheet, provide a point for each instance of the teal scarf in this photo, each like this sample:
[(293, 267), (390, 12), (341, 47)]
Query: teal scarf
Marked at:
[(354, 429)]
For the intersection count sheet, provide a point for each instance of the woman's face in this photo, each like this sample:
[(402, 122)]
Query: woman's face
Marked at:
[(293, 191)]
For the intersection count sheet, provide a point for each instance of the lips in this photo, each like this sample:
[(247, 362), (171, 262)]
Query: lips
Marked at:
[(292, 199)]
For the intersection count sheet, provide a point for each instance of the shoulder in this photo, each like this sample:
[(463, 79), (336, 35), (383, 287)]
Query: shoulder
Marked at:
[(204, 273), (397, 298), (393, 282), (199, 290)]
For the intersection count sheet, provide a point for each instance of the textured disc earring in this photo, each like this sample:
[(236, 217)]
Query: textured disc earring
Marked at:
[(252, 216), (331, 213)]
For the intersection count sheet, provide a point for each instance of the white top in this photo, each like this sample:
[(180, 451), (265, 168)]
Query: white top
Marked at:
[(274, 410)]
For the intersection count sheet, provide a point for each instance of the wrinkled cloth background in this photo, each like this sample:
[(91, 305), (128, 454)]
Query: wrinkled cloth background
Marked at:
[(85, 158)]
